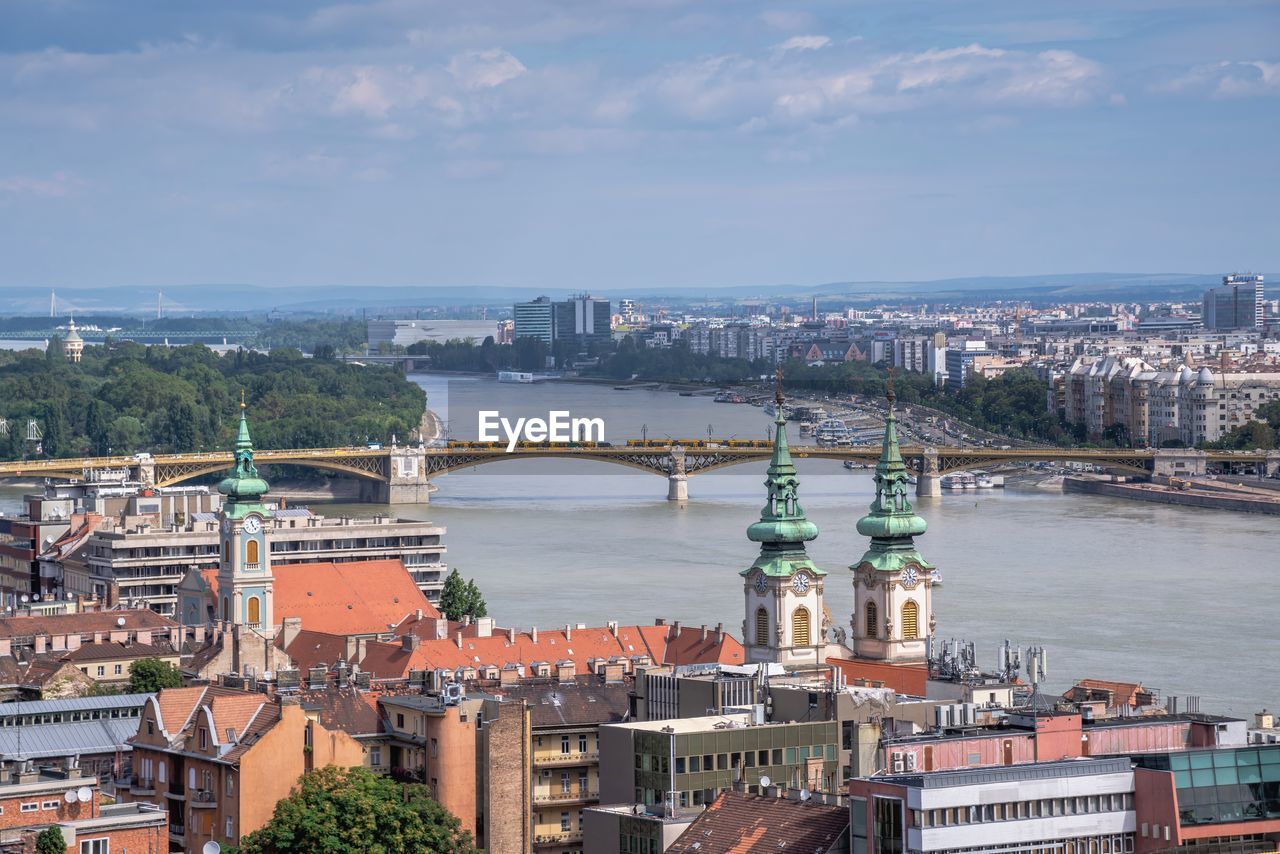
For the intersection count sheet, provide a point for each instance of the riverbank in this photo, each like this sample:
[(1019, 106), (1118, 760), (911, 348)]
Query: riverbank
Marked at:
[(1211, 499)]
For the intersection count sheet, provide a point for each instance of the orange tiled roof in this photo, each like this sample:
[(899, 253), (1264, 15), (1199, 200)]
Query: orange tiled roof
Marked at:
[(82, 623), (175, 707)]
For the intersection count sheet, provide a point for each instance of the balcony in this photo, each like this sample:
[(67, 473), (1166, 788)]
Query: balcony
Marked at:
[(203, 799), (565, 837), (551, 760), (142, 786), (572, 796), (177, 833)]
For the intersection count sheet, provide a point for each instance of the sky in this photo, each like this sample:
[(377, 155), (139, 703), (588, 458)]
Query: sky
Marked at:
[(633, 143)]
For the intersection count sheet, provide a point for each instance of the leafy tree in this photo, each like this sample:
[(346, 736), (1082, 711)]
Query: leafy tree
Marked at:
[(149, 675), (476, 606), (353, 810), (453, 596), (51, 841), (125, 435)]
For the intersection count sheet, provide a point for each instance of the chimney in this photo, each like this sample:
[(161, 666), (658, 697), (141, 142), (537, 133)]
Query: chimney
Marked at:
[(350, 651), (42, 644), (292, 626), (59, 643), (484, 627), (142, 636), (511, 635), (659, 621), (409, 643), (675, 629), (704, 634), (199, 634), (458, 639), (417, 615), (613, 628), (6, 646), (119, 635), (362, 646), (568, 632), (566, 670), (466, 619), (533, 633), (719, 632)]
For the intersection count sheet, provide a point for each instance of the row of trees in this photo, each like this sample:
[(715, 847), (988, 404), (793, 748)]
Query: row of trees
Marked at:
[(125, 397)]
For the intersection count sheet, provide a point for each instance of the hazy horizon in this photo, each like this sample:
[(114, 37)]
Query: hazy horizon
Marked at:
[(617, 144)]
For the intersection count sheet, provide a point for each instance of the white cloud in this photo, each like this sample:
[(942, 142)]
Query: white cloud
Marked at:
[(485, 69), (1229, 79), (54, 186), (805, 43)]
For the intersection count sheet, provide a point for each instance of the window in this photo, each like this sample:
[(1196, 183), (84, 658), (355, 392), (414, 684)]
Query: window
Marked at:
[(251, 552), (872, 619), (204, 738), (255, 608), (119, 669), (582, 743), (231, 785), (564, 822), (564, 744), (102, 670), (762, 627), (160, 771), (375, 756), (564, 782), (910, 620), (50, 805), (800, 627), (399, 721), (231, 829), (31, 807), (435, 748), (95, 846)]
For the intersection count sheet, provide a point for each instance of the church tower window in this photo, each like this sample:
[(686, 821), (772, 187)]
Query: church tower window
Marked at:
[(255, 609), (910, 620), (251, 552), (800, 627), (873, 619), (762, 627)]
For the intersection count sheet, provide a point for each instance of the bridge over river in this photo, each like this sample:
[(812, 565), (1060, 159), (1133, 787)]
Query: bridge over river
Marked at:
[(402, 474)]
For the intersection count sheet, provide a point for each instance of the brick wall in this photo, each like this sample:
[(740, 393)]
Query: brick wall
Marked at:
[(506, 797)]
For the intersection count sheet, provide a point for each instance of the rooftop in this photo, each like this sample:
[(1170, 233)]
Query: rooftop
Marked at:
[(1009, 773), (738, 823)]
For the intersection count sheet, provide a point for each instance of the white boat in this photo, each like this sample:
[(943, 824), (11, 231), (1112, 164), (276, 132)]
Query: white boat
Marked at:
[(959, 480), (832, 431), (515, 377)]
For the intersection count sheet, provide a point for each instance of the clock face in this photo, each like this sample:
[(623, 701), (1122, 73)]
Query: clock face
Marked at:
[(762, 583), (252, 525), (909, 576), (800, 583)]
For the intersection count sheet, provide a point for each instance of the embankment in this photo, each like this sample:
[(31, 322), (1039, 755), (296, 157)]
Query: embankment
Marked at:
[(1159, 494)]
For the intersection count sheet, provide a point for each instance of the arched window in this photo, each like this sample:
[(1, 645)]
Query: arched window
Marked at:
[(255, 609), (226, 551), (910, 620), (762, 627), (251, 552), (226, 610), (800, 627), (873, 619)]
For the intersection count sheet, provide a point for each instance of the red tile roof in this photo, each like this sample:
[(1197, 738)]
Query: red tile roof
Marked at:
[(83, 623), (903, 678), (737, 823), (353, 598)]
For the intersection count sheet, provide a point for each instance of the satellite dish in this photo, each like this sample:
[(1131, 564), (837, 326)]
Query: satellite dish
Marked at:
[(85, 794), (765, 782), (120, 621), (210, 847), (805, 794), (70, 796)]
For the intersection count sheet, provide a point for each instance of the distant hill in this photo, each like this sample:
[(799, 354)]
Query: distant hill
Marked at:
[(214, 298)]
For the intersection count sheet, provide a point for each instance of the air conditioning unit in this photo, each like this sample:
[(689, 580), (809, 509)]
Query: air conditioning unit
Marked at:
[(911, 761), (898, 764)]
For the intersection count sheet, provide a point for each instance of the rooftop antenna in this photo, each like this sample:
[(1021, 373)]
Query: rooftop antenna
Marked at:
[(1037, 670)]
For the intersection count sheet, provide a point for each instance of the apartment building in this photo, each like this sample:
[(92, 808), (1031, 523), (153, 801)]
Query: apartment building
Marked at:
[(32, 801), (138, 560), (216, 760)]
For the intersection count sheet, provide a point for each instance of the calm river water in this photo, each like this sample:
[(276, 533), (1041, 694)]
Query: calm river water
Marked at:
[(1178, 598)]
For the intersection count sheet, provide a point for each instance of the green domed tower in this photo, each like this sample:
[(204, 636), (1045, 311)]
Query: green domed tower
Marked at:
[(242, 486), (245, 582), (783, 588), (892, 582)]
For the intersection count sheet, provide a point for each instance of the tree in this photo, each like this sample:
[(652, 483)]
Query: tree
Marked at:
[(125, 434), (476, 606), (149, 675), (51, 841), (453, 596), (354, 810)]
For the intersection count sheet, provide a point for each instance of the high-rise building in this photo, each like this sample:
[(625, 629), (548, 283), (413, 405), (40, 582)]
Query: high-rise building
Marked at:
[(1235, 304), (535, 319), (582, 319)]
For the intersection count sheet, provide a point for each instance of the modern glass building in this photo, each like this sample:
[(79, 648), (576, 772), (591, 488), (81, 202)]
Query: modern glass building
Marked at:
[(1236, 304), (1222, 786)]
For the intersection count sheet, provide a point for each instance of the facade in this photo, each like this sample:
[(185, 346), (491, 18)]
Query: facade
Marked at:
[(535, 319), (1074, 806), (960, 361), (688, 762), (216, 760), (88, 733), (403, 333), (33, 801), (893, 583), (784, 620), (1236, 304)]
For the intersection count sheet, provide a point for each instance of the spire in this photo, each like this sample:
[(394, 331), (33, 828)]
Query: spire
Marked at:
[(891, 523), (782, 524), (242, 485)]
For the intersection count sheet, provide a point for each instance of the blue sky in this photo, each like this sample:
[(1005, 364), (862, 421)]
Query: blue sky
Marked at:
[(591, 143)]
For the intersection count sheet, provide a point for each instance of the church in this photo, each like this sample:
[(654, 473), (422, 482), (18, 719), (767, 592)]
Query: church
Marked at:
[(785, 620)]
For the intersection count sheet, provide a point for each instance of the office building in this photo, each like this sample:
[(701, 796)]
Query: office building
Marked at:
[(403, 333), (1235, 304), (583, 320), (535, 319), (960, 360)]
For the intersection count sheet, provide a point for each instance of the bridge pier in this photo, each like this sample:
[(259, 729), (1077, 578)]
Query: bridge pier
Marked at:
[(1270, 467), (678, 479), (1179, 462), (407, 481), (929, 480)]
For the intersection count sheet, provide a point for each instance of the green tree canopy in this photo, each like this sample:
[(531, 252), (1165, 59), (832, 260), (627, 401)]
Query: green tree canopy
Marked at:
[(51, 841), (148, 675), (350, 810), (460, 598)]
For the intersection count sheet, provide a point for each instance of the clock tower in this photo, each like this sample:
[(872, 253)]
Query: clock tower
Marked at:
[(244, 568), (892, 583), (783, 588)]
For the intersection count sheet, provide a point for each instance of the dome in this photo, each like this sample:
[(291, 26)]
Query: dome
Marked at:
[(1205, 377), (798, 530), (886, 526), (72, 335)]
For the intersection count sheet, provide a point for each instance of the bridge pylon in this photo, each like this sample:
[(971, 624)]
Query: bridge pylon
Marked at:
[(407, 481), (929, 478), (678, 479)]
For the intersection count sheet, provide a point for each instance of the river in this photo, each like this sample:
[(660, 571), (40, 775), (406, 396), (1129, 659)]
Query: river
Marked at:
[(1176, 598)]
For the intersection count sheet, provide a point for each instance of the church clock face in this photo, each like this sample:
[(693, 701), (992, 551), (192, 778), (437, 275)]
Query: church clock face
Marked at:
[(800, 583), (762, 583), (909, 576), (252, 525)]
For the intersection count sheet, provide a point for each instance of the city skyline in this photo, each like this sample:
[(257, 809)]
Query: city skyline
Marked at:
[(565, 145)]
